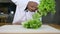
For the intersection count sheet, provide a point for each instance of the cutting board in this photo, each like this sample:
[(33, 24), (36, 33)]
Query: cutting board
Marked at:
[(19, 29)]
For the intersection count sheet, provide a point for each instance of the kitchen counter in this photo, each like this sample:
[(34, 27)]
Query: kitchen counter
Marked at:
[(55, 26), (18, 29)]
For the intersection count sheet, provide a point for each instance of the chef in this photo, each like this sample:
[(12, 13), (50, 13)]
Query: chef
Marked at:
[(24, 10)]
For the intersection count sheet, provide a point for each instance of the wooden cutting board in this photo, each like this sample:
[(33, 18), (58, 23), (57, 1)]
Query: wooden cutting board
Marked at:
[(19, 29)]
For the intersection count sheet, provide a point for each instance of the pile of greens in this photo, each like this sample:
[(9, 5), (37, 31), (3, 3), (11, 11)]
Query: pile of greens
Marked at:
[(34, 23), (44, 7)]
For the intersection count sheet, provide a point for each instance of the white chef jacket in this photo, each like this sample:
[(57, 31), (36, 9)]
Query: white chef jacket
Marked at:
[(27, 15), (20, 13)]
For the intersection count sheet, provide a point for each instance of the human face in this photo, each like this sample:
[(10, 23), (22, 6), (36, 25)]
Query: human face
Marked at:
[(32, 6)]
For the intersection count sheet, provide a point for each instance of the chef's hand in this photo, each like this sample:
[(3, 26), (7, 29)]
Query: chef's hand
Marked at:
[(32, 6)]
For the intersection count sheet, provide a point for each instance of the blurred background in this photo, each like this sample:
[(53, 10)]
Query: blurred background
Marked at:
[(7, 11)]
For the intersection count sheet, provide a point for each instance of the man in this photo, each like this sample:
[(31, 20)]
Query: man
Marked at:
[(22, 6)]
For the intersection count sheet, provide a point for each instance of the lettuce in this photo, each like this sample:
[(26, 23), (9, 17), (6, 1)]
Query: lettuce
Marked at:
[(33, 24)]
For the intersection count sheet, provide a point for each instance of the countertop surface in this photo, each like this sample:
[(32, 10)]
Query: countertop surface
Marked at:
[(21, 29)]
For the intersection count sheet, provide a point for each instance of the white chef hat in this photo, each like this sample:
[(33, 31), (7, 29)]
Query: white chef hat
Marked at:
[(21, 5)]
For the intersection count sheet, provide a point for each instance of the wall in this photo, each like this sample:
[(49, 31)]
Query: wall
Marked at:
[(5, 1), (55, 19)]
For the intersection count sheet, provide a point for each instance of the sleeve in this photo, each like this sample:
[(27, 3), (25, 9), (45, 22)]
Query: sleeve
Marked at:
[(14, 1), (19, 15), (35, 1)]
